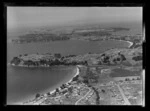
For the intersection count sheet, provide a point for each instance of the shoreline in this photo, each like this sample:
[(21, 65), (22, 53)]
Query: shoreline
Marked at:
[(77, 73), (131, 43), (44, 94)]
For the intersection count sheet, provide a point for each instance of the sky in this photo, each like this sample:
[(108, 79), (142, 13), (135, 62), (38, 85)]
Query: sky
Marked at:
[(40, 16)]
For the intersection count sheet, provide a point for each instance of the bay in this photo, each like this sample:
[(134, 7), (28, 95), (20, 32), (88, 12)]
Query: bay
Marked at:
[(23, 83)]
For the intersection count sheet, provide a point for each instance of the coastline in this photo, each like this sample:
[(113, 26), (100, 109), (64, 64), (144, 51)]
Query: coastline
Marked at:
[(130, 43), (44, 94), (77, 73)]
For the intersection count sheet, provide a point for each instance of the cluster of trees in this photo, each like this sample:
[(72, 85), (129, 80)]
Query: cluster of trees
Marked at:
[(68, 61), (137, 58), (85, 80), (37, 95), (95, 33), (110, 60), (57, 90), (76, 63), (119, 58), (129, 79), (36, 63), (15, 61), (70, 89), (75, 78), (63, 86), (90, 77), (70, 56), (65, 91), (57, 55), (42, 62), (97, 96), (59, 60)]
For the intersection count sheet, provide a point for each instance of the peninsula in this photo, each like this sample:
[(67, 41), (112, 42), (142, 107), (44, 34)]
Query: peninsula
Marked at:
[(99, 82)]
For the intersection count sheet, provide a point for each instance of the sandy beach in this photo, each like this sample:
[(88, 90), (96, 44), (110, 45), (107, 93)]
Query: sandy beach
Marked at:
[(77, 73), (131, 43)]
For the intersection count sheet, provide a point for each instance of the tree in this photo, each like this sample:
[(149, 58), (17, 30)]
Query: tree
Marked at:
[(138, 78), (48, 93), (70, 89), (89, 85), (57, 55), (85, 63), (106, 59), (99, 63), (103, 55), (15, 61), (118, 59), (62, 58), (63, 85), (25, 54), (75, 78), (57, 90), (103, 91), (37, 95), (56, 62), (42, 62), (127, 79), (137, 58), (86, 81), (65, 91), (122, 57)]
